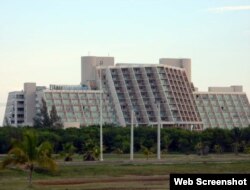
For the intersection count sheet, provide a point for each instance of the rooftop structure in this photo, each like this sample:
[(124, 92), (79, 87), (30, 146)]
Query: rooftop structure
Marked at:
[(88, 68)]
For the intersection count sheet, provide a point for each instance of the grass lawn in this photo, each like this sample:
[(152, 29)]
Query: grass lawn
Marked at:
[(119, 175)]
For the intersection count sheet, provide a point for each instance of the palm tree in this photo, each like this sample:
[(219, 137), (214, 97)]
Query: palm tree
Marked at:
[(68, 151), (146, 151), (217, 149), (92, 152), (28, 154), (199, 148)]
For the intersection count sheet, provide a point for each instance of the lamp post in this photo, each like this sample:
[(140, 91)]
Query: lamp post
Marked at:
[(159, 132), (101, 134), (132, 136), (192, 127)]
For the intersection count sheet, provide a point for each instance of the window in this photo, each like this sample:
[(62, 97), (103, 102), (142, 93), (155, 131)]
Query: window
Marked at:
[(204, 97), (212, 97), (227, 97), (234, 97), (68, 109), (79, 115), (19, 96), (83, 102), (59, 108), (220, 97), (214, 103), (75, 102), (93, 108), (61, 115), (70, 115), (56, 95), (90, 96), (73, 96), (77, 108), (82, 96), (65, 96), (49, 102), (58, 102), (66, 102), (48, 96)]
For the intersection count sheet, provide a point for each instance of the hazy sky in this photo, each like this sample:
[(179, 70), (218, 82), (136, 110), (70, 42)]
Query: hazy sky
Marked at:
[(42, 41)]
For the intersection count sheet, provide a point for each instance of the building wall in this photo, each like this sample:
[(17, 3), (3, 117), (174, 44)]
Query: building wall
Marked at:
[(134, 88), (23, 105), (181, 63), (30, 102), (15, 110), (88, 67), (226, 89), (141, 88), (80, 106), (223, 109)]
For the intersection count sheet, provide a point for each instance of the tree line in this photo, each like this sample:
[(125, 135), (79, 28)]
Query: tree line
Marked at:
[(117, 139)]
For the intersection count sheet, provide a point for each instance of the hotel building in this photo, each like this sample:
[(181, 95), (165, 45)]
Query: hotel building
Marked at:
[(161, 92)]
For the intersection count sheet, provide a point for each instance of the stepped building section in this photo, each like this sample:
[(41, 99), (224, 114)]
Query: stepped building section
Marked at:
[(224, 107), (80, 107), (143, 89)]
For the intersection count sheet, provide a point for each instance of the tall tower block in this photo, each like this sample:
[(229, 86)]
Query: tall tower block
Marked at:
[(88, 67), (181, 63)]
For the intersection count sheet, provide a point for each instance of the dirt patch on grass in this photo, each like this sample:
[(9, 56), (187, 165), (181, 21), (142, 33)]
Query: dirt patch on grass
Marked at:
[(75, 181)]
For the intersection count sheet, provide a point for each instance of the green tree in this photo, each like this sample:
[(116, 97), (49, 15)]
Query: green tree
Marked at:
[(235, 147), (37, 121), (165, 141), (92, 152), (118, 151), (45, 115), (42, 119), (146, 151), (236, 135), (6, 122), (28, 154), (199, 148), (217, 149), (68, 151), (55, 120)]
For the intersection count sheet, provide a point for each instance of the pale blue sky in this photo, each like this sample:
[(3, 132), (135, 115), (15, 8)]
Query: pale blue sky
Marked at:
[(42, 41)]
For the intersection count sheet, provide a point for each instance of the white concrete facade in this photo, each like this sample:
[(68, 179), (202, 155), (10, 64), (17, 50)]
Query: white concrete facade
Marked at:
[(139, 87), (88, 67), (22, 105), (14, 111), (223, 107), (181, 63), (80, 106)]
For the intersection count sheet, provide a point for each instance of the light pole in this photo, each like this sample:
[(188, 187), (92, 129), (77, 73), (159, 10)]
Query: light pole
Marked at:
[(132, 136), (159, 132), (192, 127), (101, 141)]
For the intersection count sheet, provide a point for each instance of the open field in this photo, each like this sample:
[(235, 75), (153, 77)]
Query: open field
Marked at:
[(116, 174), (169, 158)]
